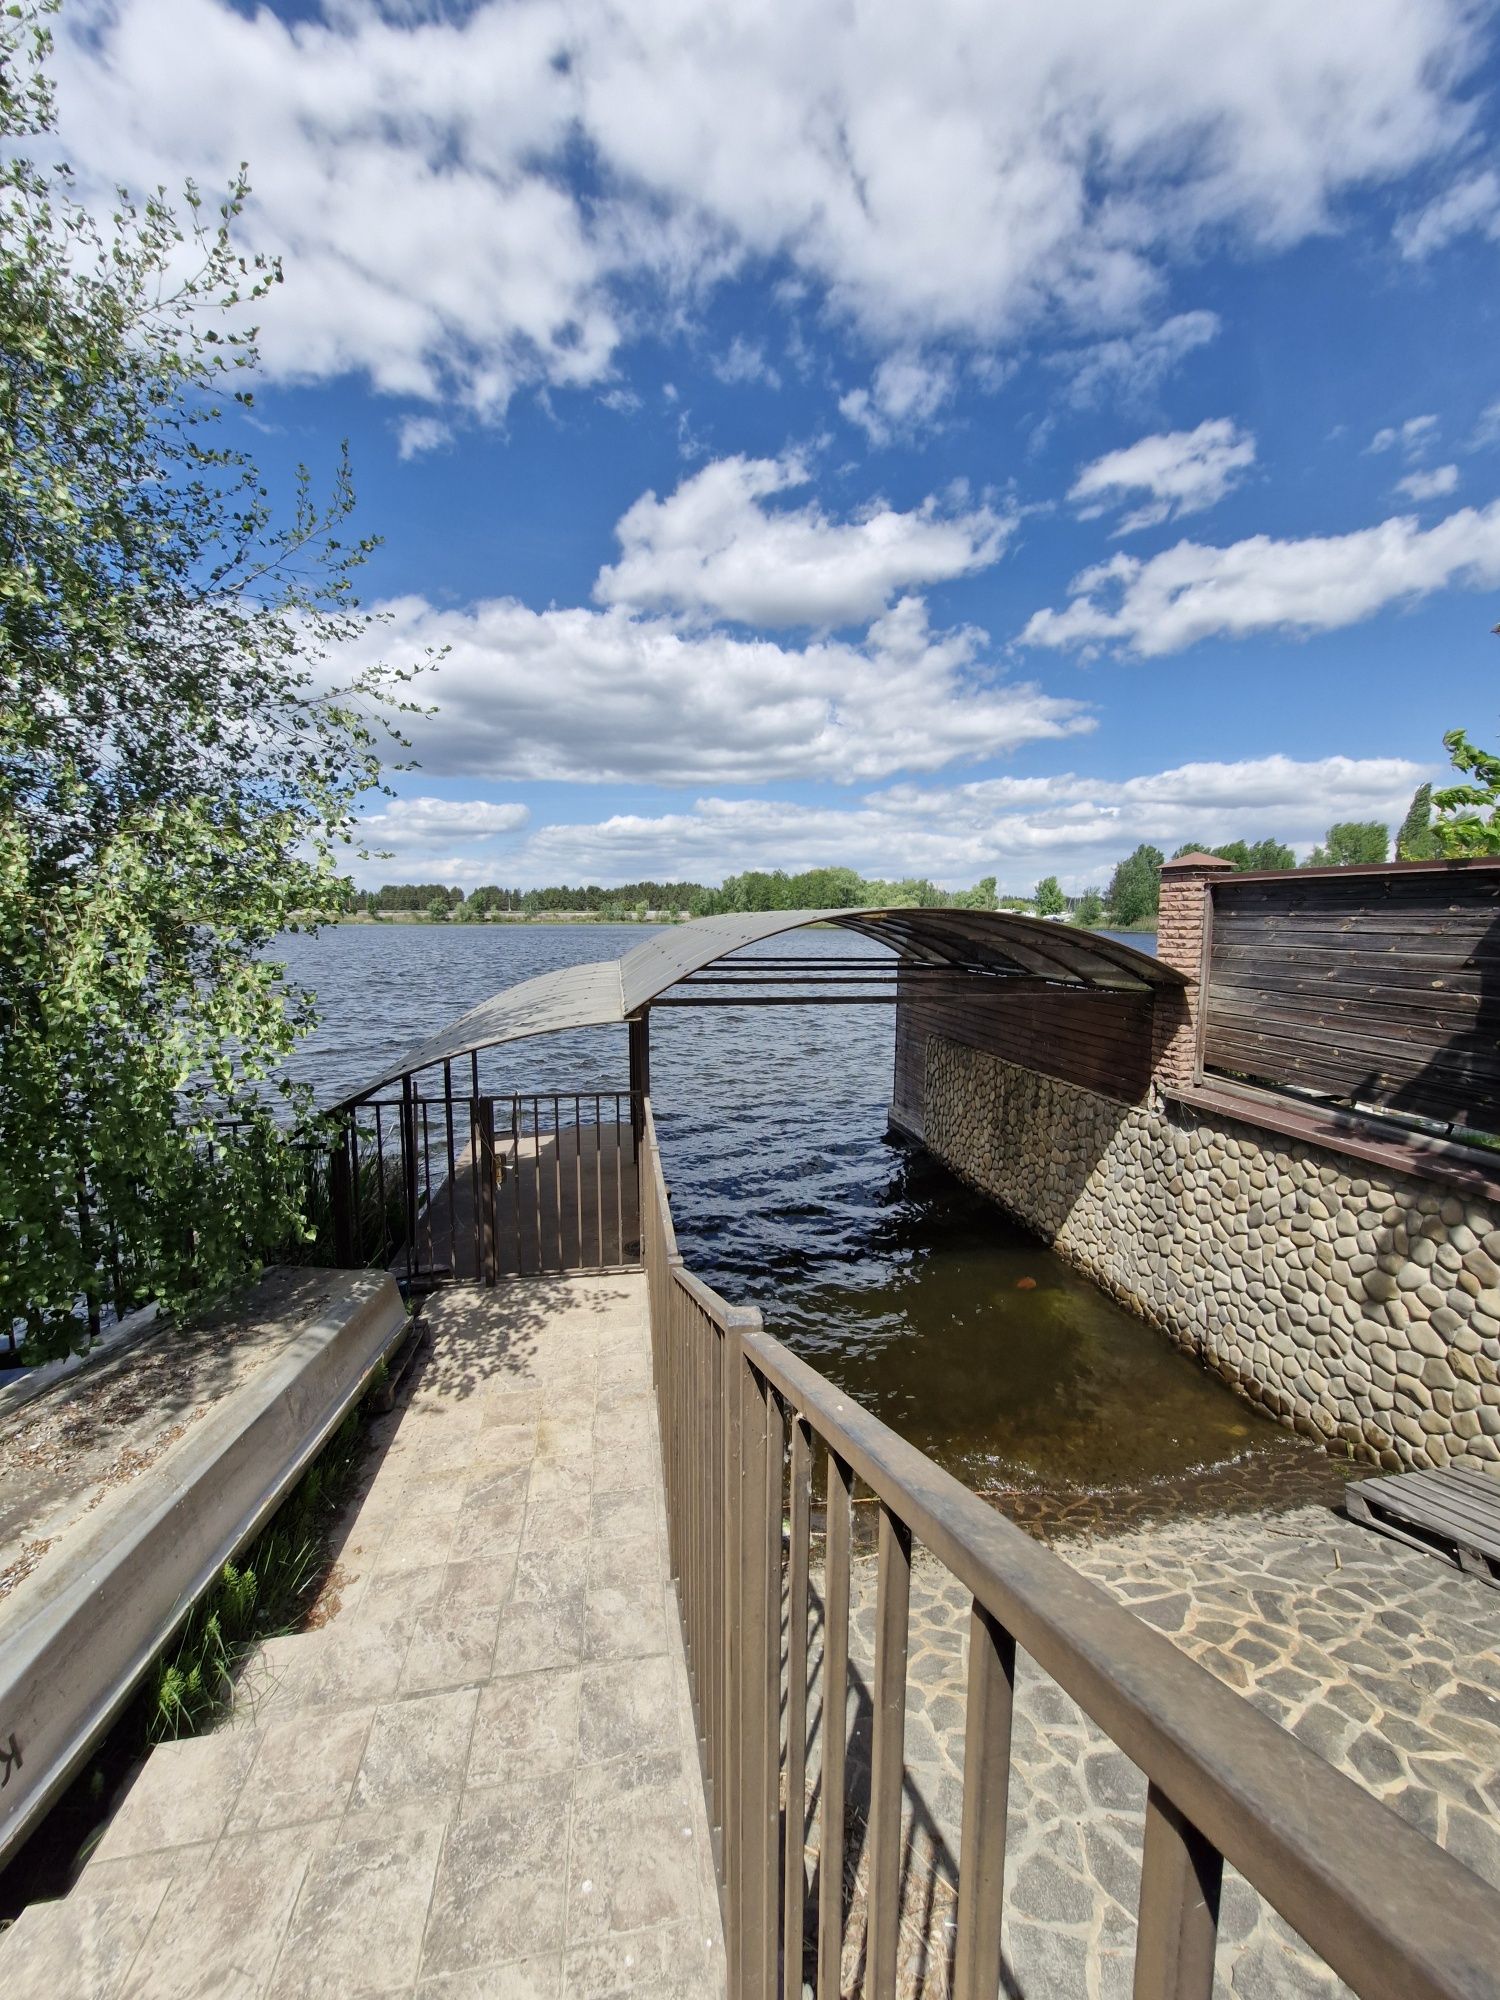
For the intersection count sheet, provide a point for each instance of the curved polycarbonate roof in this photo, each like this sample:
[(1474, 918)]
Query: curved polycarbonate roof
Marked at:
[(607, 992)]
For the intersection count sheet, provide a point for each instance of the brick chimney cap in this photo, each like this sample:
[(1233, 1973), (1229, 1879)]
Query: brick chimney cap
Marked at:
[(1197, 861)]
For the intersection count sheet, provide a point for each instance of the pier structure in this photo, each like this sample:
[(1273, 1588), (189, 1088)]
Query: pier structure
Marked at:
[(605, 1594)]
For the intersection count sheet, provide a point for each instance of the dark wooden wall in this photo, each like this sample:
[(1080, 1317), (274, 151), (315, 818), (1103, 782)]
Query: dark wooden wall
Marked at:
[(1377, 986), (1099, 1040)]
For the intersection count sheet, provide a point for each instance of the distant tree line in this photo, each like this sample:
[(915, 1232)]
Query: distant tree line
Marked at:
[(1130, 902)]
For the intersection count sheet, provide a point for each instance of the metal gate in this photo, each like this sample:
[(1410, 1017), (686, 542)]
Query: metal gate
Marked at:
[(458, 1188)]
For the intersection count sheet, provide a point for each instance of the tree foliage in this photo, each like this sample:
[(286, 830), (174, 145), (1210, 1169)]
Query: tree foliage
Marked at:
[(1049, 898), (1090, 911), (1247, 856), (1134, 893), (178, 764), (1353, 843), (1416, 838), (1469, 815)]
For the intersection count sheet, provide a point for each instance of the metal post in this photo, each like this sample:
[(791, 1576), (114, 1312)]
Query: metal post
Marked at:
[(341, 1200)]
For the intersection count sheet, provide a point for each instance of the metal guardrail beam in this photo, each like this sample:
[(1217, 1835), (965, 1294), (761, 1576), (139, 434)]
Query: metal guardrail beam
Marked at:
[(1391, 1913)]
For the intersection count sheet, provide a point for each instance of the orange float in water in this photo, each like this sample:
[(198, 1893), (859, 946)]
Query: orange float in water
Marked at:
[(1026, 1284)]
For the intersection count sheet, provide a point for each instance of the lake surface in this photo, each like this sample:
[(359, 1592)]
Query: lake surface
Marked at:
[(910, 1291)]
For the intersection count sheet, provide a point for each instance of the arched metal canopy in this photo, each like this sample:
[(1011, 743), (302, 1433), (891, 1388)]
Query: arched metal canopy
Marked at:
[(989, 944)]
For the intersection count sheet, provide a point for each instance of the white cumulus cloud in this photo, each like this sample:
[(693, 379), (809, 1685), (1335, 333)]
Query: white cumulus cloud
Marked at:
[(416, 434), (1132, 365), (473, 200), (1182, 472), (1433, 485), (432, 822), (1317, 584), (1017, 829), (1470, 204), (906, 393), (593, 695), (715, 547), (1412, 438)]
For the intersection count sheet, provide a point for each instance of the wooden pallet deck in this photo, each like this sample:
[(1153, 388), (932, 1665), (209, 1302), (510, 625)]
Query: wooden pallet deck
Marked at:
[(1454, 1513)]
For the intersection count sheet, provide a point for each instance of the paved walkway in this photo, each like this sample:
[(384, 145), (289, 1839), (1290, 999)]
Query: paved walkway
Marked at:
[(478, 1776)]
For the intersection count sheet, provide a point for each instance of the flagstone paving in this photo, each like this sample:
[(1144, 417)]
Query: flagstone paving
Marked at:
[(478, 1776), (1382, 1659)]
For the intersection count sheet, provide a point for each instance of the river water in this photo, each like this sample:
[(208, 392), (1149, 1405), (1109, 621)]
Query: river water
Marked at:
[(910, 1291)]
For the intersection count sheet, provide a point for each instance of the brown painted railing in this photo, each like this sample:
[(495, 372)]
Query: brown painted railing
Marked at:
[(743, 1422)]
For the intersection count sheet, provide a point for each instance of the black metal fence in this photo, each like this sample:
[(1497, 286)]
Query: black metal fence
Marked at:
[(474, 1187)]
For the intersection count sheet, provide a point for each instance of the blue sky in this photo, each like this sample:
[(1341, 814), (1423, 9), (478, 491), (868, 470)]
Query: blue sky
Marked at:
[(949, 441)]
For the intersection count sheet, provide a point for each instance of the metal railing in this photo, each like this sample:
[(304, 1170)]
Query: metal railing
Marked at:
[(473, 1186), (744, 1425)]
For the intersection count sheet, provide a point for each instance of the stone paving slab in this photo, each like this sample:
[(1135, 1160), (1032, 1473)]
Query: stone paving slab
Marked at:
[(478, 1777), (1383, 1660)]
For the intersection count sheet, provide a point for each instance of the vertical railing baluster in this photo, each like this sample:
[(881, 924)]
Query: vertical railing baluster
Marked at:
[(734, 1662), (385, 1207), (427, 1184), (598, 1180), (794, 1866), (484, 1194), (981, 1868), (516, 1123), (619, 1188), (452, 1172), (578, 1177), (892, 1608), (1177, 1925), (557, 1179), (536, 1156), (408, 1129), (755, 1639), (836, 1548)]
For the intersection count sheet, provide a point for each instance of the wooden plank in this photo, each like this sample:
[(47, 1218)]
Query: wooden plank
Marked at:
[(1101, 1041), (1474, 1169), (1456, 1508), (1430, 1505), (835, 1729), (887, 1761), (1178, 1924), (981, 1872)]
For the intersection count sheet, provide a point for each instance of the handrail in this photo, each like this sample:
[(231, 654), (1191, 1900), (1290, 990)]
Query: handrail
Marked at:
[(1391, 1913)]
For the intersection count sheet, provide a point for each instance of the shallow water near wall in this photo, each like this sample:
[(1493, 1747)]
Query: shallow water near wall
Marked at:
[(912, 1292)]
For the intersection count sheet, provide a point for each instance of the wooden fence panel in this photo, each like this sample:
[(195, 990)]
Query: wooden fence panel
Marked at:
[(1099, 1040), (1371, 986)]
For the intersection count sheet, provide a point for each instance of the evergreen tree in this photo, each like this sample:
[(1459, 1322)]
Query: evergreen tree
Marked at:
[(1417, 840)]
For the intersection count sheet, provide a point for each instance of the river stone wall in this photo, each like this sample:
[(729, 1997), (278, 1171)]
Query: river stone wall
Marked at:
[(1349, 1304)]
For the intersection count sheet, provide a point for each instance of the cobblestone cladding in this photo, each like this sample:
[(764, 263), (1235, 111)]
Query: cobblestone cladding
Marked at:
[(1379, 1658), (1351, 1306)]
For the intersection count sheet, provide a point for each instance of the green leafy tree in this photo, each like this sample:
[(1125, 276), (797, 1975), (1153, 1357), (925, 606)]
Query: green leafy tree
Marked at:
[(1090, 911), (1267, 855), (1353, 843), (1049, 898), (1246, 856), (1134, 893), (1469, 815), (178, 761), (1416, 838)]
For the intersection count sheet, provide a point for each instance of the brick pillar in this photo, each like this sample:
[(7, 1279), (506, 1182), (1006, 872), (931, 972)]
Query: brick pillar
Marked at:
[(1182, 942)]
